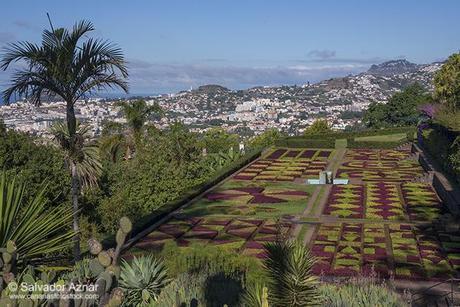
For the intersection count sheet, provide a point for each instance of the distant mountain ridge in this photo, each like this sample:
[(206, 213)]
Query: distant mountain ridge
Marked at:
[(393, 67), (377, 84)]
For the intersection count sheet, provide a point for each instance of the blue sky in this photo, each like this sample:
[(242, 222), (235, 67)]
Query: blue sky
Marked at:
[(172, 45)]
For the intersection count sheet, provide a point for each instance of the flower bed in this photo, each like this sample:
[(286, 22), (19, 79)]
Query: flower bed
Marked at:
[(421, 201), (345, 201), (245, 235), (252, 199), (383, 202), (377, 154), (281, 170), (349, 249), (394, 175), (305, 154), (277, 154), (368, 166), (377, 200)]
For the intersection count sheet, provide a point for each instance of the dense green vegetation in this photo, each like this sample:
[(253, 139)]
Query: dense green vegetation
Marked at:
[(400, 110), (319, 126), (24, 157)]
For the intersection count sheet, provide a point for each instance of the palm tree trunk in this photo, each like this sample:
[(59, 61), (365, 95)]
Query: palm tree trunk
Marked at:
[(71, 119), (72, 127), (76, 227)]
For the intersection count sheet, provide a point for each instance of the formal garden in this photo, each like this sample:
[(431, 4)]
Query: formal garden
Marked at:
[(380, 220), (173, 217)]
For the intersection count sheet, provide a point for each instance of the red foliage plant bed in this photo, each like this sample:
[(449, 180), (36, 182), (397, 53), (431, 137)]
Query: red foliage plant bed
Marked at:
[(292, 154), (276, 154)]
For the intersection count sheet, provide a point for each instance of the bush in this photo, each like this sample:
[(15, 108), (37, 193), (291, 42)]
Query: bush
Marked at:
[(359, 293), (327, 139), (443, 147), (208, 275), (215, 259), (202, 289)]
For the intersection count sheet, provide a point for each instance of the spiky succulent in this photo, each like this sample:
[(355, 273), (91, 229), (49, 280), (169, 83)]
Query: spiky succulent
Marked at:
[(142, 280), (289, 266)]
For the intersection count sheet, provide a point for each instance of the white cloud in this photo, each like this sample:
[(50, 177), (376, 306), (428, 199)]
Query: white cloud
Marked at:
[(160, 77)]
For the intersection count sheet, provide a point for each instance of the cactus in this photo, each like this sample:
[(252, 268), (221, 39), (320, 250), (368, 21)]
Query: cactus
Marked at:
[(103, 270), (104, 258)]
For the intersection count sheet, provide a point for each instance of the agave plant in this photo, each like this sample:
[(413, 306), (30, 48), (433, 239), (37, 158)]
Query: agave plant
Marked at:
[(34, 228), (291, 283), (142, 280)]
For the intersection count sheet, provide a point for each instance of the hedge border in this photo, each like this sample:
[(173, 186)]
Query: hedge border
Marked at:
[(328, 140), (370, 132), (169, 207)]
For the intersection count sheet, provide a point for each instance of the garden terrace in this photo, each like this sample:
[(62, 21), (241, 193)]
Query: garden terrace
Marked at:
[(383, 222)]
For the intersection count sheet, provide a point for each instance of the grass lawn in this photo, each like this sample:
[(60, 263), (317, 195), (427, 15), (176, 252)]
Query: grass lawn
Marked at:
[(341, 143), (382, 138)]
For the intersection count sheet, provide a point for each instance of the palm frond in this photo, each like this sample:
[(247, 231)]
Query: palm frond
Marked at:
[(67, 64), (78, 150)]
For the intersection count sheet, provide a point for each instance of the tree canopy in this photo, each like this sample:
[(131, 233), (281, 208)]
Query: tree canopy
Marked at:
[(447, 82), (319, 126), (400, 110)]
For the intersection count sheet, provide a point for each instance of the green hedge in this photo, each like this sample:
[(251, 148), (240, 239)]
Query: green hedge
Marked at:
[(328, 140), (305, 143), (163, 211), (371, 132)]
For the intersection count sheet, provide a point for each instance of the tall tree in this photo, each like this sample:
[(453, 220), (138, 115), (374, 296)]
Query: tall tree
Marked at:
[(447, 82), (319, 126), (402, 109), (68, 64), (136, 114)]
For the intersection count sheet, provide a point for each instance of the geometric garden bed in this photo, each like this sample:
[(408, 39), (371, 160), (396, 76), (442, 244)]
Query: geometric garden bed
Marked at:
[(378, 224), (399, 250), (384, 201), (244, 235)]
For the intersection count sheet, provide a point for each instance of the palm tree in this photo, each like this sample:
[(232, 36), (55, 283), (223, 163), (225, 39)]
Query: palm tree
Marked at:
[(68, 65), (289, 265), (136, 114), (85, 156)]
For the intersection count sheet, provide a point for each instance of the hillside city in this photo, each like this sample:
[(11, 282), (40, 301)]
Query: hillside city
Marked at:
[(288, 108)]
